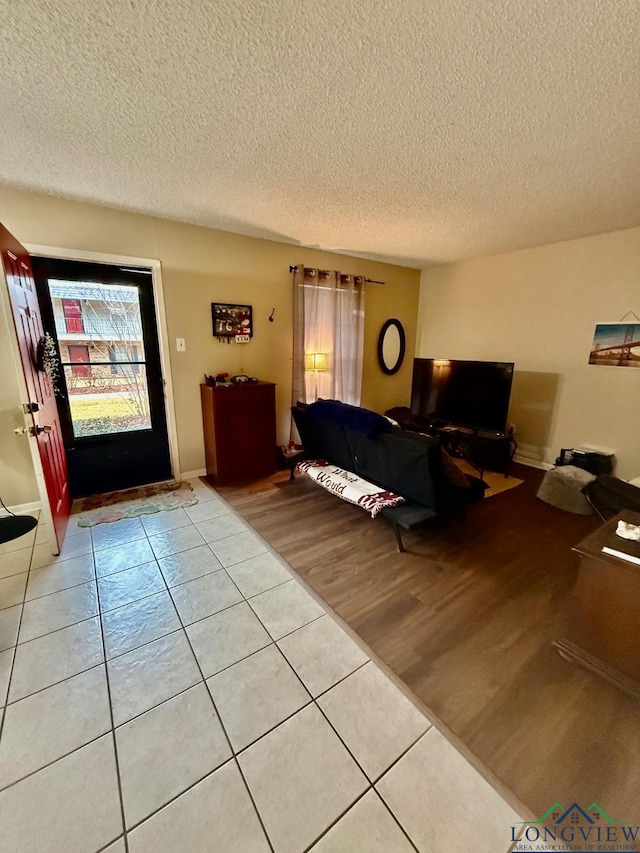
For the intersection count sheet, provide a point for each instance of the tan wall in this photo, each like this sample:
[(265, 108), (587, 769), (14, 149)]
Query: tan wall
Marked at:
[(200, 265), (539, 307)]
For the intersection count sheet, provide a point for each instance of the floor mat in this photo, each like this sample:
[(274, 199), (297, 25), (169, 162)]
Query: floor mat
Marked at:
[(130, 503)]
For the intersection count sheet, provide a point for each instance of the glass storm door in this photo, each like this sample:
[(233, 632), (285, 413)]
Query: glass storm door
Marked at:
[(111, 394)]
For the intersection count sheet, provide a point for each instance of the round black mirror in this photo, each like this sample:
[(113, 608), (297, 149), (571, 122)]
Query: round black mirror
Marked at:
[(391, 347)]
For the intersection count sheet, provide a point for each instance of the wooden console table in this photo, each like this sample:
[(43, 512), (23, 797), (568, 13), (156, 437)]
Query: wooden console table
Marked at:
[(602, 632)]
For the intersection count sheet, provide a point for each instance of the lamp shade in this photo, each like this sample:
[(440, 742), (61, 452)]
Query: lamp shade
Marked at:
[(315, 361)]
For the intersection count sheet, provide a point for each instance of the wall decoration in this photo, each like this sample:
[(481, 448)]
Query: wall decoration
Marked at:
[(616, 345), (230, 320), (392, 344), (47, 360)]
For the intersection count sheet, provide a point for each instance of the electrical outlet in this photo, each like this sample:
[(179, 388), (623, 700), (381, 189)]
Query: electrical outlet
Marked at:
[(181, 345), (512, 429)]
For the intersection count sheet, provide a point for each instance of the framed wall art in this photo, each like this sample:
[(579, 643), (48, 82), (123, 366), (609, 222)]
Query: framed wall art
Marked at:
[(230, 320), (616, 345)]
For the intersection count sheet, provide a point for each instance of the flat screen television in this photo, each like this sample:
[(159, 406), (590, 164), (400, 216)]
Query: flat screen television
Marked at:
[(471, 394)]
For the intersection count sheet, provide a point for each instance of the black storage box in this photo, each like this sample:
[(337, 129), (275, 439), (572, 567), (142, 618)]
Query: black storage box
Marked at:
[(589, 460)]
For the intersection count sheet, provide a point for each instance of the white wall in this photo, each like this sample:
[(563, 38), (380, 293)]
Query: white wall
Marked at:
[(538, 307)]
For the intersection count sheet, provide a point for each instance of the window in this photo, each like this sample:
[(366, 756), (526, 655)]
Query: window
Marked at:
[(123, 354), (329, 325), (113, 357), (72, 311), (110, 394)]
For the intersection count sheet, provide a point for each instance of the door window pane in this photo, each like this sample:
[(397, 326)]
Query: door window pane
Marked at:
[(99, 332), (107, 404)]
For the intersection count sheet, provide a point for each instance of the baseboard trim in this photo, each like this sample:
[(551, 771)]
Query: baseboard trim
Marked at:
[(34, 506), (532, 463), (189, 475)]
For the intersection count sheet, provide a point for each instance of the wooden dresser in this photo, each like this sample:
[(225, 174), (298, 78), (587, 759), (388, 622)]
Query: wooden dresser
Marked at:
[(602, 632), (239, 431)]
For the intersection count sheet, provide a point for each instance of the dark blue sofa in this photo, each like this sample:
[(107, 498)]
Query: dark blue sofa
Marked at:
[(407, 463)]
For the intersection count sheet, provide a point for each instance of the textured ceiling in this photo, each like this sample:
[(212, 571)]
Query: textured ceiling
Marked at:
[(406, 130)]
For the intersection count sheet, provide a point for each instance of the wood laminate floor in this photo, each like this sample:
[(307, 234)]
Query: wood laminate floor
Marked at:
[(466, 619)]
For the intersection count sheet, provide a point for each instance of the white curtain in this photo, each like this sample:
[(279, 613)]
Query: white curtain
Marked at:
[(329, 321)]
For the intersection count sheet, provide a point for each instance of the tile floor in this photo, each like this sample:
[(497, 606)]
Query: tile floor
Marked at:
[(167, 684)]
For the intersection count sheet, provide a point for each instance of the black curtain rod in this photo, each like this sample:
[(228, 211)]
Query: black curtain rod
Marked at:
[(367, 280)]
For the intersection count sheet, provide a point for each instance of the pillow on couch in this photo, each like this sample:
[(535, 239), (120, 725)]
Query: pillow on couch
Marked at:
[(454, 474)]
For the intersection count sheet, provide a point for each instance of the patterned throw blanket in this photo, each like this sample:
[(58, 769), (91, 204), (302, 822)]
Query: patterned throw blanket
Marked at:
[(349, 487)]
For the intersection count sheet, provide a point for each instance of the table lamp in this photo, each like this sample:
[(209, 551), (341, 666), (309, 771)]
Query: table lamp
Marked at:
[(315, 362)]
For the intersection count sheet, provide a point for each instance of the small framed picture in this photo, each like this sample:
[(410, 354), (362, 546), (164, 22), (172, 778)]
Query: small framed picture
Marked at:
[(616, 345), (230, 320)]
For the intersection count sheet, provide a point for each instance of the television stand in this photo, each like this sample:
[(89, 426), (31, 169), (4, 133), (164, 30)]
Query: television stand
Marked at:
[(484, 450)]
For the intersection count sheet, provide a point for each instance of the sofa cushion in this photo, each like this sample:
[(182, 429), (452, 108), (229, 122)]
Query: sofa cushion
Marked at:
[(354, 417), (322, 440), (454, 474), (400, 461)]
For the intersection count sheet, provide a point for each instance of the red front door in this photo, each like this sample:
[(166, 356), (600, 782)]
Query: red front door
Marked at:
[(79, 356), (43, 419)]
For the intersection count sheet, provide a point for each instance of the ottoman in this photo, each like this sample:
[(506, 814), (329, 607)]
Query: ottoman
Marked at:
[(562, 487)]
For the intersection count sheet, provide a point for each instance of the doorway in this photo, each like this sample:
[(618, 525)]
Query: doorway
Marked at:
[(110, 389)]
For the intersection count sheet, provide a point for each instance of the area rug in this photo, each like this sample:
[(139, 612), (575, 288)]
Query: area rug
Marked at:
[(130, 503), (497, 483)]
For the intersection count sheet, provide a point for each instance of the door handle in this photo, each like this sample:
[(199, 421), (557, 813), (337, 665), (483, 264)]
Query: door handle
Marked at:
[(34, 430)]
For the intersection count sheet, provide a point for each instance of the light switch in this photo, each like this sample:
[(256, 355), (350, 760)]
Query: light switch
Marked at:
[(181, 345)]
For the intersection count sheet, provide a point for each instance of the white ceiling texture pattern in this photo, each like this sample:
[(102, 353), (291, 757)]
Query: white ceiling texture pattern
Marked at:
[(404, 130)]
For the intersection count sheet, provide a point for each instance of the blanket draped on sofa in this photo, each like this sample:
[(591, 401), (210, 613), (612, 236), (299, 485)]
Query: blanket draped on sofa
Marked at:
[(350, 487)]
